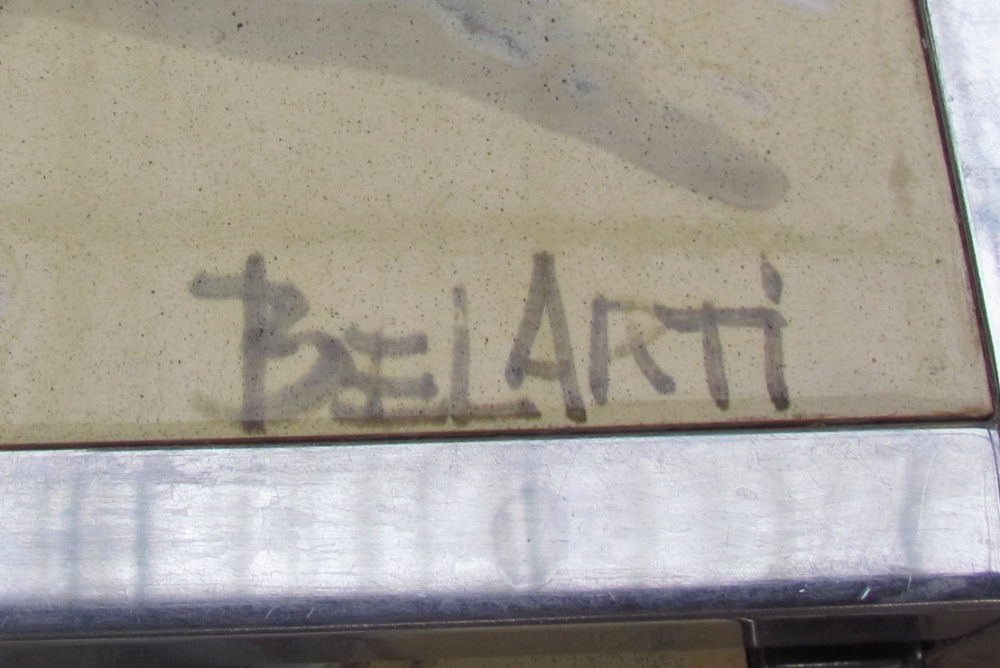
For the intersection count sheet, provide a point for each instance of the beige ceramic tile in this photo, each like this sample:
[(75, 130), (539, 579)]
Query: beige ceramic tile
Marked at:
[(289, 218)]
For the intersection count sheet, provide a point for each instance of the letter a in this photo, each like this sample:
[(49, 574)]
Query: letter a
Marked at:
[(543, 295)]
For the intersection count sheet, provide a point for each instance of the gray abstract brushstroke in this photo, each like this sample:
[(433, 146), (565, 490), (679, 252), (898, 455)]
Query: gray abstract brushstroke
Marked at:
[(538, 59)]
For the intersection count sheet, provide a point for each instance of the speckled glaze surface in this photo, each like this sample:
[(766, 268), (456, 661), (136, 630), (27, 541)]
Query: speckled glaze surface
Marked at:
[(223, 219)]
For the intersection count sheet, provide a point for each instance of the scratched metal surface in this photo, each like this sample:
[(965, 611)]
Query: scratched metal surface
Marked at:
[(968, 59), (299, 537)]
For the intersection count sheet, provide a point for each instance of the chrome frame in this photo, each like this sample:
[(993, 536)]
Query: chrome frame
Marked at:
[(757, 539)]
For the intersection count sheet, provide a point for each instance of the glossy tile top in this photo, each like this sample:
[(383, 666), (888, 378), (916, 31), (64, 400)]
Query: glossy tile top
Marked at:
[(227, 219)]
